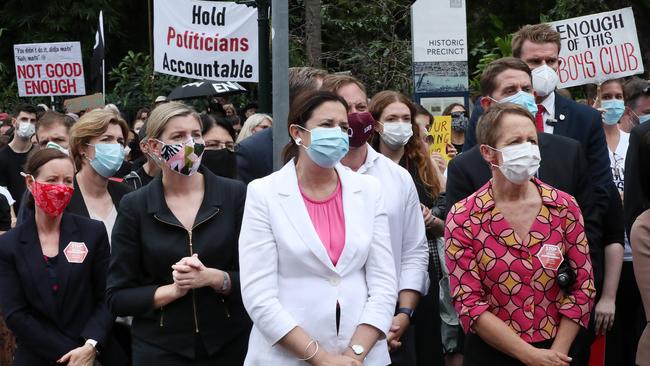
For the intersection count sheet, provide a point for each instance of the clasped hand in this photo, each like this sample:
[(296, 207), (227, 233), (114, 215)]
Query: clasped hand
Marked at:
[(190, 273)]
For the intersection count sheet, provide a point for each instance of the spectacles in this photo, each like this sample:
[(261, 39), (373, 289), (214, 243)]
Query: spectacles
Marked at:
[(220, 145)]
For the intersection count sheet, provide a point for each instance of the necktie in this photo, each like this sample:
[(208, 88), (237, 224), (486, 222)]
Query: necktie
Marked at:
[(539, 118)]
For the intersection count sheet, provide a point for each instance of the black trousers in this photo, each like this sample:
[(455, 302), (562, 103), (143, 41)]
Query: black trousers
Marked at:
[(629, 321), (479, 353), (233, 354)]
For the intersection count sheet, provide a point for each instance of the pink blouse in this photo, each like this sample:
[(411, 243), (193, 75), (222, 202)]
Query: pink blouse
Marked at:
[(492, 269), (329, 221)]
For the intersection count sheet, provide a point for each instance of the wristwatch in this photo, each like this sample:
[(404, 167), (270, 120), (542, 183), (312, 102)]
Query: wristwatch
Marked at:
[(408, 311), (226, 282), (357, 349)]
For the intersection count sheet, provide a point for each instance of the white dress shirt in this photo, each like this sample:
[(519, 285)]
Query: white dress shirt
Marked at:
[(549, 112), (407, 231)]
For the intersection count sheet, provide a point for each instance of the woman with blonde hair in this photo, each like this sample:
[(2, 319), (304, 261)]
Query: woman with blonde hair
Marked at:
[(174, 265), (97, 148), (254, 124)]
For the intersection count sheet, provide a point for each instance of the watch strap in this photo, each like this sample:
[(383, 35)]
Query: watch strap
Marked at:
[(407, 311)]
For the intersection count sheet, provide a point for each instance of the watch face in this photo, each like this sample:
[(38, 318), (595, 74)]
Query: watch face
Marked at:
[(358, 349)]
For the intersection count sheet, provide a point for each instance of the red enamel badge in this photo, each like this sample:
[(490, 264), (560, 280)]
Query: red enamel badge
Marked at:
[(550, 256)]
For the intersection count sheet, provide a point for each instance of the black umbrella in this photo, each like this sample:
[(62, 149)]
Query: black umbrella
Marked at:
[(205, 89)]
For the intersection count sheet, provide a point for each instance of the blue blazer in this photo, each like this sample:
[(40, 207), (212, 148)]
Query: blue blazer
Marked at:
[(255, 156), (47, 326), (579, 122)]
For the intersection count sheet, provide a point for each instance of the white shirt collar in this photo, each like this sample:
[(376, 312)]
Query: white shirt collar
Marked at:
[(549, 104)]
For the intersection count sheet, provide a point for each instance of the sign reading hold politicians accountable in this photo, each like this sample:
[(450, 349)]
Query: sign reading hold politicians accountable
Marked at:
[(208, 40), (598, 47), (49, 69)]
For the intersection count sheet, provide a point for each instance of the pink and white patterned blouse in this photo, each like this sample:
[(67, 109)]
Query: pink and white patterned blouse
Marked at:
[(492, 269)]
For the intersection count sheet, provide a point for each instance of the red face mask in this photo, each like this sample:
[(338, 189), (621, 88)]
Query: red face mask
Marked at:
[(360, 128), (51, 198)]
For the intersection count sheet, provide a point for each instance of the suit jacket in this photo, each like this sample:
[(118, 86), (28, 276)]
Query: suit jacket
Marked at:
[(148, 239), (584, 124), (563, 166), (48, 326), (634, 200), (255, 156), (298, 285)]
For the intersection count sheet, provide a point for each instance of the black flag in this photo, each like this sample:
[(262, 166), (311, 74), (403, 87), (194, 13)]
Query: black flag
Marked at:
[(97, 63)]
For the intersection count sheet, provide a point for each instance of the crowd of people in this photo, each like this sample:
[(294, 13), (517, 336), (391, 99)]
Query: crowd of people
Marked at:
[(169, 240)]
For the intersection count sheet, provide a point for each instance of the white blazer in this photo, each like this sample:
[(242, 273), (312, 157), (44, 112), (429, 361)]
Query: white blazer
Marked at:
[(288, 279)]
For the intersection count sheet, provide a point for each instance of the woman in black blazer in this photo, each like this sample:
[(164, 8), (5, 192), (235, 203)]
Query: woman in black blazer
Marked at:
[(174, 264), (53, 274)]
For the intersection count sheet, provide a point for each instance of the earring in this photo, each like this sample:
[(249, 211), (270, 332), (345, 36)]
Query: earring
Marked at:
[(298, 141)]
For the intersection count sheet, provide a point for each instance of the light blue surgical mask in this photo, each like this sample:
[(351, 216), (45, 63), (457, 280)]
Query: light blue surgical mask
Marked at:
[(108, 159), (328, 145), (526, 100), (614, 109), (644, 118)]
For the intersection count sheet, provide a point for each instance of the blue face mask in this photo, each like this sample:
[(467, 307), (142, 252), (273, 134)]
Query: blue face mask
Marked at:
[(614, 109), (644, 118), (523, 99), (108, 159), (328, 145)]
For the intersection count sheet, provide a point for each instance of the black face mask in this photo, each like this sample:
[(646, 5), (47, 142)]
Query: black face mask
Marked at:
[(220, 162)]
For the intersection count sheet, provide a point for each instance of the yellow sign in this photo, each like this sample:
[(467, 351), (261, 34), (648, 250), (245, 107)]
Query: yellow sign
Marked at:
[(440, 133)]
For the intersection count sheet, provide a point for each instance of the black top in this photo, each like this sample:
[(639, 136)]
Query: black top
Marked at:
[(45, 330), (148, 239), (11, 164), (138, 178), (5, 214)]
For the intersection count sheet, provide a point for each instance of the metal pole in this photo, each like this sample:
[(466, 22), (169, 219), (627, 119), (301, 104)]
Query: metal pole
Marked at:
[(264, 92), (280, 22)]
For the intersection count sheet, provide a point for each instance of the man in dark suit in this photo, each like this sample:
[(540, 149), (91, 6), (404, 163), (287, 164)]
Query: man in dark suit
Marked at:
[(637, 101), (539, 47), (255, 154)]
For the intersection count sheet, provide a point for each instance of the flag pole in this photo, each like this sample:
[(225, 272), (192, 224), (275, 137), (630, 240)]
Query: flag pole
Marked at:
[(103, 82)]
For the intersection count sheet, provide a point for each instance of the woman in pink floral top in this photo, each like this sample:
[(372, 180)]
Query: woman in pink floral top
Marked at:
[(504, 246)]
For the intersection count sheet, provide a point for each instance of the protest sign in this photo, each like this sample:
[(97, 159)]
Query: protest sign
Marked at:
[(84, 103), (440, 133), (49, 69), (208, 40), (598, 47)]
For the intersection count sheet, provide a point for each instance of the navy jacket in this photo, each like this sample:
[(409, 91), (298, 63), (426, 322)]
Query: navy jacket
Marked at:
[(47, 326), (635, 202), (255, 156)]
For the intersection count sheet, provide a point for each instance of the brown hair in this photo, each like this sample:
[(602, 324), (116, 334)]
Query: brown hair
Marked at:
[(495, 68), (447, 111), (36, 160), (49, 118), (90, 125), (303, 79), (536, 33), (334, 82), (489, 127), (415, 149), (301, 111)]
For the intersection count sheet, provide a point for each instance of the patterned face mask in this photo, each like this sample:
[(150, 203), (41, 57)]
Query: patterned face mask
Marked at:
[(183, 158), (51, 198)]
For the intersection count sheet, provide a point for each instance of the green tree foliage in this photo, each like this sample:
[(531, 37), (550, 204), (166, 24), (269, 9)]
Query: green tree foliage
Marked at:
[(136, 85)]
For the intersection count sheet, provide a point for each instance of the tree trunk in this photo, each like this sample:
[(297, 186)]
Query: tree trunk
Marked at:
[(313, 32)]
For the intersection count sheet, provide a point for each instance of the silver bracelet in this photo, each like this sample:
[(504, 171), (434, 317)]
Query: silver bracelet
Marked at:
[(306, 348), (226, 282)]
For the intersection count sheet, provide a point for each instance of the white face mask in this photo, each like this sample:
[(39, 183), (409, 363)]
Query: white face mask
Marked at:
[(26, 130), (545, 80), (396, 134), (520, 162)]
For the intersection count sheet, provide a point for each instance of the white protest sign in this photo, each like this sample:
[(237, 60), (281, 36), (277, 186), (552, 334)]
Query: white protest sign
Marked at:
[(598, 47), (48, 69), (206, 40), (439, 30)]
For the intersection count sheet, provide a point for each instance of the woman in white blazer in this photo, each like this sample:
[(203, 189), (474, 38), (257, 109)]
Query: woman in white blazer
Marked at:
[(309, 302)]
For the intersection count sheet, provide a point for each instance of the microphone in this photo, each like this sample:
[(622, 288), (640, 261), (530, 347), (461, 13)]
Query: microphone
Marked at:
[(551, 122)]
